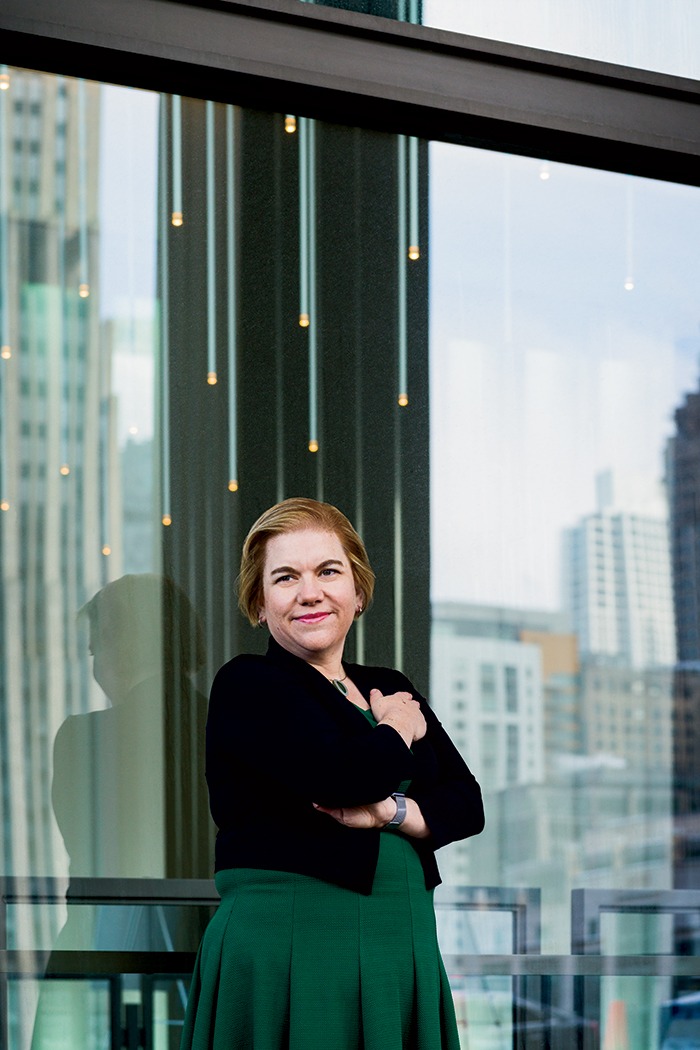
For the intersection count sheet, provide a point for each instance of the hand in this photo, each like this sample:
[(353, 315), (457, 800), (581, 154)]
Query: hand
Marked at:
[(401, 712), (374, 815)]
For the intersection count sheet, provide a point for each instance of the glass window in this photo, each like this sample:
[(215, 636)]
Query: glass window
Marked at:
[(564, 397), (488, 687), (511, 682), (489, 362)]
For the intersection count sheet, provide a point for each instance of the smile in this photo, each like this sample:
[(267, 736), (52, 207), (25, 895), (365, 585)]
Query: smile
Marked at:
[(312, 617)]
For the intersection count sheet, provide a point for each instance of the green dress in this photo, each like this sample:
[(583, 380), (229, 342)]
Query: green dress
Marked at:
[(290, 962)]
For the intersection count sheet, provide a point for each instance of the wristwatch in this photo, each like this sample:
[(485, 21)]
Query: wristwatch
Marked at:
[(400, 815)]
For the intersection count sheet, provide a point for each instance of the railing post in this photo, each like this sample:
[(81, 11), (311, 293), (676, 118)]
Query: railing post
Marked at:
[(132, 1038)]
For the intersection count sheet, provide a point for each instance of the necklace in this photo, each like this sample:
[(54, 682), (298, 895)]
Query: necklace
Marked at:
[(338, 683)]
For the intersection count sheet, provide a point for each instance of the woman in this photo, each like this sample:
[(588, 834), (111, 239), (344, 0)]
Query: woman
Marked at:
[(331, 785)]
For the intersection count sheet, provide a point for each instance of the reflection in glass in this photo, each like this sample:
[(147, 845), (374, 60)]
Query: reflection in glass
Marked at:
[(549, 441), (159, 393), (564, 459)]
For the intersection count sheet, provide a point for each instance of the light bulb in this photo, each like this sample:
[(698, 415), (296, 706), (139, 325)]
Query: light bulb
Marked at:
[(4, 504), (4, 81), (233, 486), (629, 285), (414, 252), (304, 320), (166, 519), (133, 430), (403, 400), (177, 219), (290, 125), (84, 290), (313, 446), (6, 352), (64, 470), (106, 550), (212, 378), (544, 172)]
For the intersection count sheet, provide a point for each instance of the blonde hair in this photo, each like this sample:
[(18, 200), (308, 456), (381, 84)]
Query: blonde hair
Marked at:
[(291, 515)]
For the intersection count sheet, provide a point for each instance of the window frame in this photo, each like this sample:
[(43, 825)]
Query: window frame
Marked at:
[(362, 70)]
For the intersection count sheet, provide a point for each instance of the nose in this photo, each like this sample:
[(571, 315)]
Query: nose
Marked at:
[(309, 590)]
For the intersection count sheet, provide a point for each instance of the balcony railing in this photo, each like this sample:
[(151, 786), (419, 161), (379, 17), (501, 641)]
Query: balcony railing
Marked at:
[(538, 983)]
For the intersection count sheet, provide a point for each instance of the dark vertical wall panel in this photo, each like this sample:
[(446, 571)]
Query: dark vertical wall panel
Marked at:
[(356, 228)]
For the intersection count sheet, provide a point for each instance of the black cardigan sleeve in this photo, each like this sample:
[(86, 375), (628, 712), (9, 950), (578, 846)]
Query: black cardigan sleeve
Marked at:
[(452, 805), (271, 725), (445, 789)]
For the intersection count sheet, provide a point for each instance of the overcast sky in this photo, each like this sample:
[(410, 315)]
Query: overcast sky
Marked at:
[(545, 369), (661, 35)]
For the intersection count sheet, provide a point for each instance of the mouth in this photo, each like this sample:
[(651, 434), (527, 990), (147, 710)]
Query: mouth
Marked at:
[(316, 617)]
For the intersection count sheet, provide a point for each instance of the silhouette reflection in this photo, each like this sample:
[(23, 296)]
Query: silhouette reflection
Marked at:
[(129, 793)]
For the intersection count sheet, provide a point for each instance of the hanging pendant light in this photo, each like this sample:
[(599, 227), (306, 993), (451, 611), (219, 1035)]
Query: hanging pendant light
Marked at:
[(212, 377), (313, 329), (68, 313), (304, 319), (176, 216), (413, 231), (231, 297), (401, 256), (5, 153), (307, 264), (166, 517), (84, 278), (5, 350)]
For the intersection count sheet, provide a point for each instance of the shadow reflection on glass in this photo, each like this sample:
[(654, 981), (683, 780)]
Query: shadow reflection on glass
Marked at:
[(129, 793)]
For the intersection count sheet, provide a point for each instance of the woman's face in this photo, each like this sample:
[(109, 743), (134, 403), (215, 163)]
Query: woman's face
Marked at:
[(309, 595)]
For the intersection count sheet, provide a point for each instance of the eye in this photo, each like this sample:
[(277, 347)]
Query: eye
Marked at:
[(283, 579), (329, 572)]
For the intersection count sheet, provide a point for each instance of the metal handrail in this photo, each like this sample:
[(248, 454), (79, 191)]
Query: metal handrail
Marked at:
[(17, 963), (522, 964)]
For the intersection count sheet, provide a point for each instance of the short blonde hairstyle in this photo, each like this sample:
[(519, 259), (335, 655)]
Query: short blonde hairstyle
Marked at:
[(291, 515)]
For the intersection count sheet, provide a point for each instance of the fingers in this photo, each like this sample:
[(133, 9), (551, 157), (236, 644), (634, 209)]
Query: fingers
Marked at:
[(376, 694)]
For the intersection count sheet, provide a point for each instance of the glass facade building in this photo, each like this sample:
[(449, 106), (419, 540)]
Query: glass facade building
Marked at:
[(449, 283)]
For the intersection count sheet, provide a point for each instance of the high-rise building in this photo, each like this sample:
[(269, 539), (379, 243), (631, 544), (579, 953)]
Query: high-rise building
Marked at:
[(492, 680), (626, 714), (563, 729), (487, 689), (683, 484), (617, 587), (53, 506), (52, 503), (617, 578)]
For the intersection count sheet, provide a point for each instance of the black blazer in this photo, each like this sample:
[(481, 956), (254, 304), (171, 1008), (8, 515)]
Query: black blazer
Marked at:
[(281, 737)]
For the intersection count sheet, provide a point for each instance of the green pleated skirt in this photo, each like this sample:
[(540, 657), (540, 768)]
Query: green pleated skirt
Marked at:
[(289, 962)]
